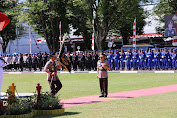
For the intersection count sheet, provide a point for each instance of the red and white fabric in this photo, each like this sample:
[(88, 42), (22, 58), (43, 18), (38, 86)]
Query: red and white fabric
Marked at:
[(93, 35), (134, 33), (40, 40), (174, 41), (71, 42), (110, 40)]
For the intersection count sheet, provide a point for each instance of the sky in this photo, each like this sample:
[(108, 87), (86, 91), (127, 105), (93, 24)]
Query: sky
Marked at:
[(150, 28)]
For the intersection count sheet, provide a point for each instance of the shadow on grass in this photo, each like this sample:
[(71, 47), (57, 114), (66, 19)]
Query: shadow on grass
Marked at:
[(65, 114)]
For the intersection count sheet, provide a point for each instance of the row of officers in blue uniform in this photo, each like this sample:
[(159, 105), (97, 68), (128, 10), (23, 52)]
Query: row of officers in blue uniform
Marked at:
[(143, 59)]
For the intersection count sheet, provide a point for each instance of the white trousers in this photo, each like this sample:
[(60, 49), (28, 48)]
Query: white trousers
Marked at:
[(1, 80)]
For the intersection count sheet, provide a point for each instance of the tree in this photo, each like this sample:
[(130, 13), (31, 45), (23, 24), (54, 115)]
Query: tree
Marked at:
[(109, 14), (44, 16), (164, 7), (129, 10), (11, 10)]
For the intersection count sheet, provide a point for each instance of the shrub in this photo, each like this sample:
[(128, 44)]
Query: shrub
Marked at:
[(21, 106), (2, 109), (46, 102)]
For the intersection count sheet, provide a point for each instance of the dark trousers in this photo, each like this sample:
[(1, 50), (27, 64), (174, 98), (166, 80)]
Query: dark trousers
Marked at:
[(15, 66), (35, 66), (29, 66), (104, 86), (75, 65), (21, 66), (55, 86), (82, 65), (40, 65)]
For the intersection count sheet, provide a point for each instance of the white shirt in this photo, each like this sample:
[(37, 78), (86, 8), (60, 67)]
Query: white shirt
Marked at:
[(2, 64)]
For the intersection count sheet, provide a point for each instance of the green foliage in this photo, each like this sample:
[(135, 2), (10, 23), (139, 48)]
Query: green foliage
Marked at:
[(44, 16), (164, 7), (129, 10), (110, 15), (11, 9), (21, 106), (26, 105), (11, 99), (47, 102), (2, 109)]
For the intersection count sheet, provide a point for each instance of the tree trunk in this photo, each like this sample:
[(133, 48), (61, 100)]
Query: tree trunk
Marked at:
[(4, 43), (125, 41), (125, 38), (100, 38)]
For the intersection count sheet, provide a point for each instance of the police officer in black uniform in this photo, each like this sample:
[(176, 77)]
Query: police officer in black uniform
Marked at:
[(74, 61), (81, 59), (44, 59), (39, 61), (29, 61), (34, 61), (86, 60), (21, 62), (94, 60), (89, 62)]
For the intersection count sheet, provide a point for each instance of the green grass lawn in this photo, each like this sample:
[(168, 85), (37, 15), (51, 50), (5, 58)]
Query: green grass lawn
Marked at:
[(155, 106), (79, 85)]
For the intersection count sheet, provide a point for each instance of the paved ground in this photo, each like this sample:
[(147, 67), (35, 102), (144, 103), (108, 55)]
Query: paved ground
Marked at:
[(119, 95), (3, 96)]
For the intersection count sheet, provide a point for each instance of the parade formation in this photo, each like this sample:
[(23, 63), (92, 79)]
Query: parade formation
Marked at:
[(157, 58)]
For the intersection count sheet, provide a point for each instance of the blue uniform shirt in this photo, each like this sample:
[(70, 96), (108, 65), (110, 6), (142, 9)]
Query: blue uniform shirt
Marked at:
[(135, 55), (116, 56), (110, 56)]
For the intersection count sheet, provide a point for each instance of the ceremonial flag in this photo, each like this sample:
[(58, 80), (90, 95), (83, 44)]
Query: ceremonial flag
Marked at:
[(93, 35), (4, 20), (65, 62), (134, 33)]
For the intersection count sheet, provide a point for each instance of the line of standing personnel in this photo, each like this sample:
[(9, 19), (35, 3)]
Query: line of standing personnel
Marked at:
[(25, 61), (84, 61), (158, 59)]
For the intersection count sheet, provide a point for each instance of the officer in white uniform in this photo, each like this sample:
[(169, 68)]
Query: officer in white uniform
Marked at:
[(2, 64)]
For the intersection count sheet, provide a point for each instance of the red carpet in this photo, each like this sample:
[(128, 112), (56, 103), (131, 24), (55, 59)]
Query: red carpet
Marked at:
[(119, 95)]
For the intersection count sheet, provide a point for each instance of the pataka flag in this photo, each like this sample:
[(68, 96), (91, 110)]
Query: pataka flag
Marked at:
[(65, 61)]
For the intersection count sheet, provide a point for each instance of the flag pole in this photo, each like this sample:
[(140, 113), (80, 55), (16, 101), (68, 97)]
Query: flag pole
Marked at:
[(93, 35), (30, 36), (134, 33), (64, 37), (60, 33)]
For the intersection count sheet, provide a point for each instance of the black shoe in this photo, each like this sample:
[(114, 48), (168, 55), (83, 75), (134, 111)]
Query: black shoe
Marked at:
[(101, 96), (105, 96)]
